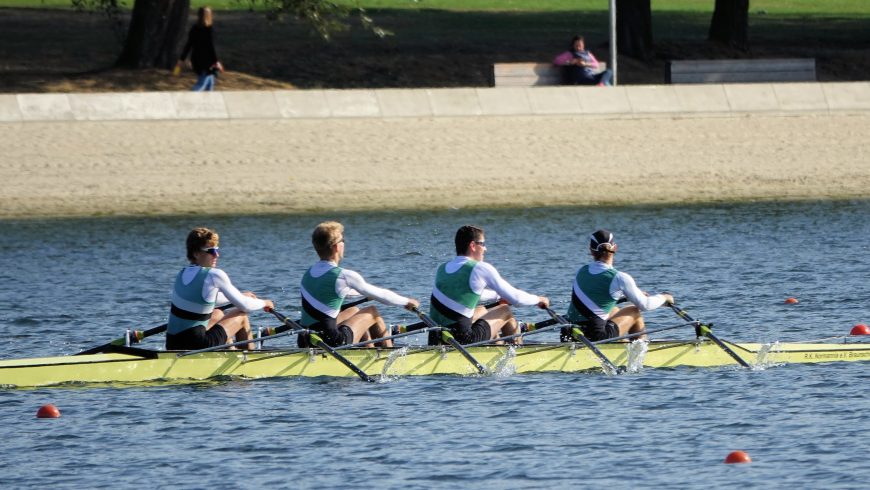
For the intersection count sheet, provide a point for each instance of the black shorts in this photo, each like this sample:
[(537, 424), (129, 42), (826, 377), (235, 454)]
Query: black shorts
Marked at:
[(608, 330), (465, 332), (197, 338), (333, 335)]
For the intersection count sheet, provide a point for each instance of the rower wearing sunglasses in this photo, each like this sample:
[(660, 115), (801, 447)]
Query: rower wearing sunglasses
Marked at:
[(466, 281), (597, 288), (324, 287), (194, 322)]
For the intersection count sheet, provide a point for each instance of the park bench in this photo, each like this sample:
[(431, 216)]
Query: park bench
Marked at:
[(741, 71), (529, 74)]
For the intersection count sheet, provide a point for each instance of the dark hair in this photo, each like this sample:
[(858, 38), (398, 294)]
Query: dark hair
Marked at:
[(464, 237), (577, 38)]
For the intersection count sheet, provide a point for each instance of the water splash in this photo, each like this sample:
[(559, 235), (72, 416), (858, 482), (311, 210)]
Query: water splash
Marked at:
[(636, 354), (506, 365), (396, 356), (762, 361)]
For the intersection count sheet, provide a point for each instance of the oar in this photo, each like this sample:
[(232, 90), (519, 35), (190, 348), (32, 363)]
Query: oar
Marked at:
[(240, 342), (643, 332), (448, 337), (546, 326), (269, 331), (705, 331), (318, 342), (609, 367), (136, 336), (421, 324)]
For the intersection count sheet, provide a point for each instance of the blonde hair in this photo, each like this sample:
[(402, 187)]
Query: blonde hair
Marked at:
[(204, 16), (200, 238), (325, 236)]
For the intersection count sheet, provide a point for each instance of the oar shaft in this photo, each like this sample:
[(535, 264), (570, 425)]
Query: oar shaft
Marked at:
[(318, 342), (643, 332), (547, 328), (608, 365), (448, 337), (705, 330)]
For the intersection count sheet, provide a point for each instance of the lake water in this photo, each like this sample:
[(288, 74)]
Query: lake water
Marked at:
[(69, 284)]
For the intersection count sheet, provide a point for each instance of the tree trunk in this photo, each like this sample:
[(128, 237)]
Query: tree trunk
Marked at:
[(156, 28), (634, 28), (730, 24)]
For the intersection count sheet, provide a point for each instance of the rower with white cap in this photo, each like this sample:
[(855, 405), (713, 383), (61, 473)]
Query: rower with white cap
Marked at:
[(598, 287)]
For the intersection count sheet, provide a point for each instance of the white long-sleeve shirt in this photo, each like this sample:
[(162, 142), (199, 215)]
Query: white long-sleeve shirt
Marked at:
[(351, 283), (218, 288), (623, 285), (488, 283)]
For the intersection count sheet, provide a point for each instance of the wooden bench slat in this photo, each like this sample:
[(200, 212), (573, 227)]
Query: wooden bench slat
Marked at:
[(736, 71), (529, 74)]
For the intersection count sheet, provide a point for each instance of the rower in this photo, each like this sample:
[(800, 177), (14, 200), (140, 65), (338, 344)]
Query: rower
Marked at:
[(194, 323), (324, 287), (464, 282), (598, 286)]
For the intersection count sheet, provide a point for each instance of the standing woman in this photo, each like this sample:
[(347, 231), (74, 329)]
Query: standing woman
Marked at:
[(200, 47), (194, 322)]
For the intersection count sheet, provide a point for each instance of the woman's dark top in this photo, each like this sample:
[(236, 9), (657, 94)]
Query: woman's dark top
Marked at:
[(200, 46)]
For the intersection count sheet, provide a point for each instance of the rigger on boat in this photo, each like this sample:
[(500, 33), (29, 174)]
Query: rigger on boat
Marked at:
[(470, 328)]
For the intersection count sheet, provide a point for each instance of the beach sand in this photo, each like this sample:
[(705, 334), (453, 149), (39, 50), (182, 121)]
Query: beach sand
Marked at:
[(56, 169)]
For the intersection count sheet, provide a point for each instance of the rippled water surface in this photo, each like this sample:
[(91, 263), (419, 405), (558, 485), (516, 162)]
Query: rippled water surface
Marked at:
[(68, 284)]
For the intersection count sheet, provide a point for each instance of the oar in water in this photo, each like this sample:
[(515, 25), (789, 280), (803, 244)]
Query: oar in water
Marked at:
[(609, 367), (705, 331), (448, 337), (318, 342)]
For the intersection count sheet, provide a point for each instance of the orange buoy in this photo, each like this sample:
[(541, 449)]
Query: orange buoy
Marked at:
[(791, 301), (860, 329), (48, 412), (736, 457)]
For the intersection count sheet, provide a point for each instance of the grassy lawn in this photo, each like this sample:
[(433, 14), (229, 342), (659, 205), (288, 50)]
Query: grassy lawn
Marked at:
[(44, 46)]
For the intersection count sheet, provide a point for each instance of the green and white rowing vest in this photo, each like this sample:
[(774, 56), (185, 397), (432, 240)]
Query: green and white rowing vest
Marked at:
[(590, 295), (319, 299), (454, 292), (189, 309)]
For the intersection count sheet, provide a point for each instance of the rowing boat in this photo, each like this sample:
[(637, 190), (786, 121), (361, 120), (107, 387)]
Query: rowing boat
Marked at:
[(130, 365)]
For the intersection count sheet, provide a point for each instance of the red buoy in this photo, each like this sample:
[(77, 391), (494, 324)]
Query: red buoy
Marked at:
[(791, 301), (48, 412), (860, 329), (736, 457)]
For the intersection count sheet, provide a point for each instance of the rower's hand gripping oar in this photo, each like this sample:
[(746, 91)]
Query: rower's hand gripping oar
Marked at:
[(609, 367), (448, 337), (704, 330), (318, 342)]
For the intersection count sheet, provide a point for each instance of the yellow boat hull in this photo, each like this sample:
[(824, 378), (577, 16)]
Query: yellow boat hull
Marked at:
[(138, 366)]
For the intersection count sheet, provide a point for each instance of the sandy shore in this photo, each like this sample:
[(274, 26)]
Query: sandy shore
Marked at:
[(293, 166)]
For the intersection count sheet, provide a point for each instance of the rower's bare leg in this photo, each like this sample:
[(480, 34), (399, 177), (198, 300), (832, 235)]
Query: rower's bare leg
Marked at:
[(501, 322), (629, 320), (367, 324), (238, 326)]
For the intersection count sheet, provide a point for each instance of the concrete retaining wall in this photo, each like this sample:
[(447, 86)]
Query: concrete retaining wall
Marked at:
[(629, 101)]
